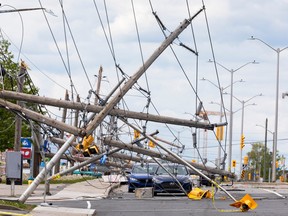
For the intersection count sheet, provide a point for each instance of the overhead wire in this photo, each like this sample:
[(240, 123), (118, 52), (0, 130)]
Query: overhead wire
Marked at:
[(59, 52), (217, 76), (66, 47), (111, 48), (195, 52), (77, 50), (22, 29)]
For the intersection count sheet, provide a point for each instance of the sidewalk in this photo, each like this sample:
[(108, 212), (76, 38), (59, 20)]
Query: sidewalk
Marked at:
[(94, 189)]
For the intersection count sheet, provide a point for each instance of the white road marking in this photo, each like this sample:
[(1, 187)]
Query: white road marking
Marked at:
[(88, 205), (275, 193)]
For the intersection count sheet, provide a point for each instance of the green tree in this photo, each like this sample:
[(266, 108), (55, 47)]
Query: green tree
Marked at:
[(256, 160), (8, 81)]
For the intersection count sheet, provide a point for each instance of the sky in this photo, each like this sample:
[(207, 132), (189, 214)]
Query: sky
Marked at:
[(220, 33)]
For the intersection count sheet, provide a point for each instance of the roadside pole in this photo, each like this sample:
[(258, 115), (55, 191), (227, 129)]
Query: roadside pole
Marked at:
[(18, 120)]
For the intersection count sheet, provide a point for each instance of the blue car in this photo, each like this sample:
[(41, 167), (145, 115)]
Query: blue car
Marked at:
[(165, 183), (141, 176)]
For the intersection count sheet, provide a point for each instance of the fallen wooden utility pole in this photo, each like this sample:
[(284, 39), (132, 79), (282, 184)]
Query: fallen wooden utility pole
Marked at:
[(167, 157), (40, 118), (96, 109)]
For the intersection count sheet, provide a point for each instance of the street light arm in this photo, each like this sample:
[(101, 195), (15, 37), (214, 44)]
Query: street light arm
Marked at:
[(264, 128), (231, 70), (253, 97), (25, 9), (253, 38), (252, 62), (283, 49), (220, 65), (204, 79), (241, 80), (254, 104), (212, 102), (242, 101)]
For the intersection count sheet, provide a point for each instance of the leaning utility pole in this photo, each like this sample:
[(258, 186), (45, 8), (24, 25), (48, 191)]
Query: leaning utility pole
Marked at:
[(40, 118), (133, 79), (18, 120)]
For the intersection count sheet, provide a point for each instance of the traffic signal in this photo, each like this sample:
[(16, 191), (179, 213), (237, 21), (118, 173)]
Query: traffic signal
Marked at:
[(243, 174), (233, 163), (91, 150), (246, 159), (151, 144), (86, 142), (136, 134), (94, 149), (219, 133), (242, 141)]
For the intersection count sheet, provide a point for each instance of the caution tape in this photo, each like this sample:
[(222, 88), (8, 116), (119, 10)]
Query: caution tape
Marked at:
[(222, 210), (57, 176)]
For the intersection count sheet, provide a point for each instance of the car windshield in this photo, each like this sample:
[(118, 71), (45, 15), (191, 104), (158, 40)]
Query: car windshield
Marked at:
[(147, 168), (173, 169)]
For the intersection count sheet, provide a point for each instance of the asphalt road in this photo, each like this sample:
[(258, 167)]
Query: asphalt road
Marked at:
[(120, 202)]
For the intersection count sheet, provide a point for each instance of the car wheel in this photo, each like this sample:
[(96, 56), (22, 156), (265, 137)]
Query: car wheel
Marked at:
[(155, 193), (130, 190)]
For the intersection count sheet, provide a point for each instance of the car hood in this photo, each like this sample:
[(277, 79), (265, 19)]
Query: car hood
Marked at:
[(169, 178), (140, 176)]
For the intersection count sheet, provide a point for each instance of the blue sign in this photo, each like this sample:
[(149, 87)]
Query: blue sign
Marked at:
[(103, 159), (26, 142)]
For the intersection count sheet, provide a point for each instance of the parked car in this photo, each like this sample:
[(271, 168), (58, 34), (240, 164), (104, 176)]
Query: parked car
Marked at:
[(141, 176), (165, 183)]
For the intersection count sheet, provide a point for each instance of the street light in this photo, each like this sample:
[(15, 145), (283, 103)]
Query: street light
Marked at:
[(25, 9), (242, 124), (278, 50), (232, 71), (221, 111), (265, 148)]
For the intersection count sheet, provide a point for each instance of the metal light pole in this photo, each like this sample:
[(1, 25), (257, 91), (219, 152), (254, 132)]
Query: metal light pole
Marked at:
[(278, 50), (221, 112), (242, 124), (232, 71)]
